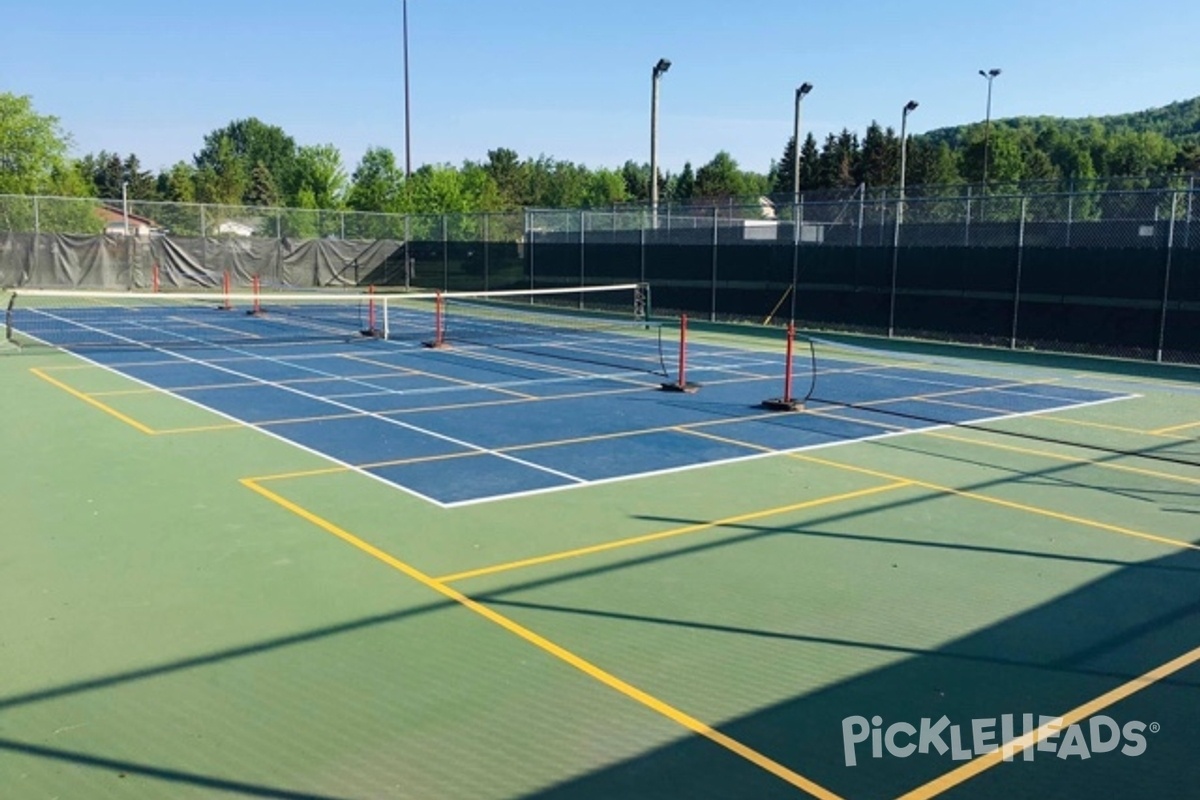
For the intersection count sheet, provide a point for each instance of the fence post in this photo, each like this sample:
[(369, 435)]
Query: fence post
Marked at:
[(967, 226), (529, 235), (895, 266), (582, 274), (37, 240), (343, 225), (408, 260), (1012, 341), (1187, 231), (203, 240), (1162, 319), (445, 255), (641, 248), (1070, 215), (862, 211), (882, 215), (712, 311), (486, 263), (795, 260)]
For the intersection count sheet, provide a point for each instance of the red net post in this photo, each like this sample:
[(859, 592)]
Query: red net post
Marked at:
[(371, 328), (680, 384), (257, 288), (787, 402), (439, 323), (226, 288), (154, 278), (787, 367)]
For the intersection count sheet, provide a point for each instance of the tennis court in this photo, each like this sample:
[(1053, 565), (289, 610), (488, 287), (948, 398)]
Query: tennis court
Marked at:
[(300, 552)]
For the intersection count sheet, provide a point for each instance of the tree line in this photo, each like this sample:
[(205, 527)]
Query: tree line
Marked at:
[(251, 163)]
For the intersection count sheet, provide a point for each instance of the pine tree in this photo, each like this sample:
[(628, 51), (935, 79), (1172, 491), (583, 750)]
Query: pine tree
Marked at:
[(685, 184), (810, 163), (141, 183), (262, 191), (785, 170)]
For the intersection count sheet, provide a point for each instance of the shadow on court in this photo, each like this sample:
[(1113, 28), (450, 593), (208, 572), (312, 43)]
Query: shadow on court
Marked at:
[(1048, 661)]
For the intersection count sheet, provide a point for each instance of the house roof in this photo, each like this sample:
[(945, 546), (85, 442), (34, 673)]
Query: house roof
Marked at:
[(110, 214)]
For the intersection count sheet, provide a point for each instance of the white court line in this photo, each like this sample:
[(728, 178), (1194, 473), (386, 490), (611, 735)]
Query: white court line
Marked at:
[(398, 423), (580, 482), (761, 455), (1002, 386)]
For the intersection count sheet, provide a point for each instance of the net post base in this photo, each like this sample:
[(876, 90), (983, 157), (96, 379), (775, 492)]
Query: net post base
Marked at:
[(782, 404), (687, 388), (435, 345)]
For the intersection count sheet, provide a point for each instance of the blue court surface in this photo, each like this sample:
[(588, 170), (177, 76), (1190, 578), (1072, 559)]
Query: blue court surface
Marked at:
[(529, 411)]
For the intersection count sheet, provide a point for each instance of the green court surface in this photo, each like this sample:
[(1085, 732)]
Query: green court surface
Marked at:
[(192, 608)]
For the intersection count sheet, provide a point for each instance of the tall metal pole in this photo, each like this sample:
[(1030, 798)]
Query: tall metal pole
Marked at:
[(1166, 291), (125, 205), (909, 107), (659, 70), (802, 90), (407, 107), (1016, 310), (989, 76)]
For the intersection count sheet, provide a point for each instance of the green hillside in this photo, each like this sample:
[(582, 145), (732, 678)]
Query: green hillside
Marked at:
[(1177, 122)]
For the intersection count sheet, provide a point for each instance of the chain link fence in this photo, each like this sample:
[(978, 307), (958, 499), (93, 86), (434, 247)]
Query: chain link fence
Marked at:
[(1112, 271)]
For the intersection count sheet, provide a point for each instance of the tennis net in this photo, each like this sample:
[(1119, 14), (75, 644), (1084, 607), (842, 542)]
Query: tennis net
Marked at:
[(604, 325), (1036, 399)]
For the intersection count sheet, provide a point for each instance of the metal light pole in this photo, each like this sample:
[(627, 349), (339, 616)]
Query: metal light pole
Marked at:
[(989, 76), (802, 90), (909, 107), (407, 108), (125, 205), (659, 70)]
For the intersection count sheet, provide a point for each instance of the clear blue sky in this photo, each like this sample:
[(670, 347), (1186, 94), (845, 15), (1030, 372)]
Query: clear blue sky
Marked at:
[(571, 79)]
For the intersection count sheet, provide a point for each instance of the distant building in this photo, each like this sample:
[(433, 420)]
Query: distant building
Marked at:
[(232, 227), (115, 220)]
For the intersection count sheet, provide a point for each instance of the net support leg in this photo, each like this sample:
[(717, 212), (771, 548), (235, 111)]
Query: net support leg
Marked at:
[(256, 287), (372, 328), (154, 277), (787, 402), (226, 288), (439, 323), (681, 384)]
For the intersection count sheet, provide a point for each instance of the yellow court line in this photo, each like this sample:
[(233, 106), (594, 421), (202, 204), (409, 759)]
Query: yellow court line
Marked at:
[(1167, 383), (1174, 428), (308, 473), (557, 651), (374, 363), (229, 385), (667, 534), (130, 421), (70, 367), (514, 401), (976, 766), (373, 465), (227, 426), (1062, 457), (125, 392), (1120, 429), (321, 418), (1091, 523), (971, 406)]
